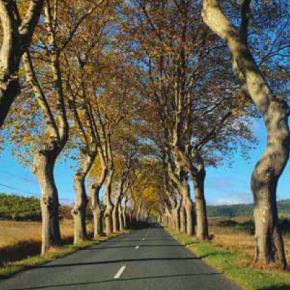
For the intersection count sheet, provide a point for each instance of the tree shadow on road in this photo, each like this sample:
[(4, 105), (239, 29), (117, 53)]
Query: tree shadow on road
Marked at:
[(115, 281), (117, 261), (139, 240), (131, 247)]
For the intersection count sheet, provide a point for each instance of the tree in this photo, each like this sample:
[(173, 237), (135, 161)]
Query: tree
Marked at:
[(127, 151), (48, 112), (275, 113), (169, 44), (111, 108), (80, 58)]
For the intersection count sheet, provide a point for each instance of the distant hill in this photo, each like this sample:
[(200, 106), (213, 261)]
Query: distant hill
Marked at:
[(242, 209), (20, 208)]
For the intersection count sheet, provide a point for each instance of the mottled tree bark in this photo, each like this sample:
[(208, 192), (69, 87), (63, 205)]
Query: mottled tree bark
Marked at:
[(269, 241), (95, 199), (96, 209), (170, 212), (124, 213), (133, 211), (198, 178), (43, 169), (139, 210), (275, 113), (80, 206), (115, 213), (168, 216), (120, 218), (79, 209), (183, 187), (189, 216), (182, 219), (176, 215), (118, 224), (109, 204)]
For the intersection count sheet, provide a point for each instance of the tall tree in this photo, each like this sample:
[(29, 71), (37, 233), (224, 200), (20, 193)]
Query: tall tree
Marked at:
[(275, 111), (169, 44), (47, 114), (85, 49)]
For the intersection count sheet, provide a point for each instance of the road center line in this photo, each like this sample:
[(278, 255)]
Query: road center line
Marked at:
[(137, 247), (120, 272)]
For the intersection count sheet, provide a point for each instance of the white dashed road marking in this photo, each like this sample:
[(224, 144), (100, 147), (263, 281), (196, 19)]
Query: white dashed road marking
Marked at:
[(120, 272)]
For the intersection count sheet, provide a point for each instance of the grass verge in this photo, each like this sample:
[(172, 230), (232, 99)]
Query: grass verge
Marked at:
[(234, 265), (11, 268)]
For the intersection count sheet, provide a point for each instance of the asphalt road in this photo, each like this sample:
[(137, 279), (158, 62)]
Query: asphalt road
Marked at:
[(141, 260)]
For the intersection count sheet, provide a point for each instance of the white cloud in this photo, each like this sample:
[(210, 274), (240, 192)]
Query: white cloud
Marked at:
[(231, 198)]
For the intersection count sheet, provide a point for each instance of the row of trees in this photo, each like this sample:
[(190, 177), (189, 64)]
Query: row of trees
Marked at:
[(142, 96)]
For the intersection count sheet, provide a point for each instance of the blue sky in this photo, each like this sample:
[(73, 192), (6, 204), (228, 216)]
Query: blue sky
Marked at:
[(223, 185)]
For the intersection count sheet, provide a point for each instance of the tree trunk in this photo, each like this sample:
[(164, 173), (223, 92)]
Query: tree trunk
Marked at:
[(43, 168), (269, 241), (131, 217), (173, 203), (115, 215), (79, 209), (168, 216), (132, 213), (189, 216), (80, 206), (139, 209), (96, 209), (275, 112), (182, 219), (188, 206), (120, 218), (200, 207), (109, 205), (95, 200), (108, 217), (176, 215), (124, 214)]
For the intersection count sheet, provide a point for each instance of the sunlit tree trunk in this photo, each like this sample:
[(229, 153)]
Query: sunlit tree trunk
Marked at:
[(182, 219), (120, 218), (198, 178), (200, 208), (43, 169), (124, 213), (188, 208), (176, 215), (183, 187), (80, 206), (79, 209), (189, 217), (95, 198), (115, 213), (96, 209), (109, 204), (133, 212)]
